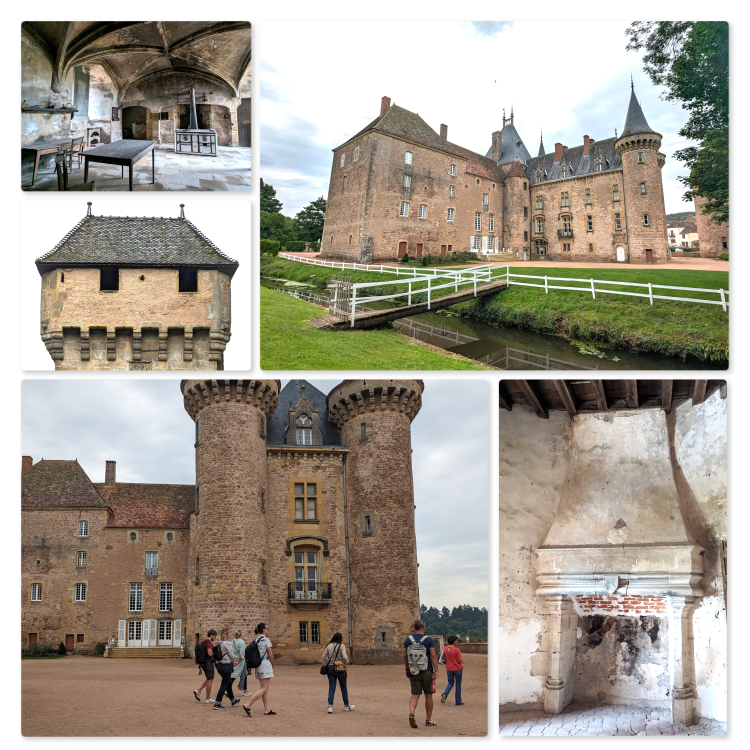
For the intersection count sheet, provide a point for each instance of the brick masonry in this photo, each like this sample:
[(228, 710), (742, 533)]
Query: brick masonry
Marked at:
[(621, 606)]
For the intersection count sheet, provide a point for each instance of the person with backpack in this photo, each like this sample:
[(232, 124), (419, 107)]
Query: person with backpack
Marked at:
[(204, 658), (240, 670), (420, 661), (226, 662), (454, 665), (335, 660), (259, 656)]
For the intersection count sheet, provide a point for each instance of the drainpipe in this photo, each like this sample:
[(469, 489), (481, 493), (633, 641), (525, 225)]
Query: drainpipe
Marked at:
[(348, 578)]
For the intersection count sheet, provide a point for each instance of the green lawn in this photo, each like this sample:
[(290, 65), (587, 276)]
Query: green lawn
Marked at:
[(43, 658), (289, 342)]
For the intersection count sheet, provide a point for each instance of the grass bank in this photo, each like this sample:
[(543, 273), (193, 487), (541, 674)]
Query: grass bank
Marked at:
[(289, 342), (676, 329)]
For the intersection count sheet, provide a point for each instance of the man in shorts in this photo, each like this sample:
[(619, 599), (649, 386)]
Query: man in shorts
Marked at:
[(421, 682), (208, 668)]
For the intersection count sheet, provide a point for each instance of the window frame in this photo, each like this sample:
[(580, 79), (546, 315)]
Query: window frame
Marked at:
[(356, 153), (588, 196), (452, 170), (564, 199), (643, 189), (451, 214), (36, 588), (166, 597), (422, 211), (304, 500), (402, 214), (451, 191), (617, 220), (85, 526), (646, 220), (407, 181), (539, 202), (589, 222), (81, 588), (135, 597), (79, 559), (491, 223), (303, 633), (477, 221), (408, 157), (342, 160), (615, 193)]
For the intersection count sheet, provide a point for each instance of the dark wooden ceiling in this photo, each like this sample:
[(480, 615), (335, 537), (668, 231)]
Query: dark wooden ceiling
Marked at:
[(579, 396)]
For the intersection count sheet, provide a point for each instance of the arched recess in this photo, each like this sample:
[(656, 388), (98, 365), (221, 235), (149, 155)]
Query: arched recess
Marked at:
[(134, 123)]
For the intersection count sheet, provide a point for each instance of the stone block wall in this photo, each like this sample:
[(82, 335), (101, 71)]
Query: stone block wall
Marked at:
[(713, 239)]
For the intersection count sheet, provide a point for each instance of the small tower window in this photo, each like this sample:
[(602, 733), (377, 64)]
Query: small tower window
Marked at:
[(525, 186), (407, 180), (368, 525), (639, 158), (363, 433), (589, 223), (588, 196), (408, 157), (109, 279), (525, 235), (643, 188), (62, 278), (525, 212), (304, 430), (591, 247), (615, 193), (133, 536), (170, 536), (452, 191), (618, 223), (451, 214), (645, 220), (422, 211), (343, 185), (382, 637), (453, 170), (188, 279)]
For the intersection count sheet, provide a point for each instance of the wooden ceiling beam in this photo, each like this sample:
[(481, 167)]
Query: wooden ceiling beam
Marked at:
[(566, 396), (666, 395), (699, 392), (601, 395), (631, 389), (532, 399)]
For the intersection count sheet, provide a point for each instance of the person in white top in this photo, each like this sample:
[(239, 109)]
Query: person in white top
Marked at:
[(336, 652), (264, 672)]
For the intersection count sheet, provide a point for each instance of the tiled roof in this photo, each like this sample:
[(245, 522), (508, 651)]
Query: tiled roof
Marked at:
[(58, 484), (277, 425), (149, 506), (135, 241), (575, 158), (515, 169)]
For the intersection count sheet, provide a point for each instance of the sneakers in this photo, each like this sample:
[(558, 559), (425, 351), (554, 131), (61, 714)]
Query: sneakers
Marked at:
[(197, 695), (210, 700), (443, 697), (235, 701), (248, 695), (218, 707), (350, 707), (330, 709)]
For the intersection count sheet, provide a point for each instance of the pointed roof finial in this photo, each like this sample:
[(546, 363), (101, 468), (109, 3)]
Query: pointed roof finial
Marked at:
[(632, 88), (511, 114), (615, 132), (88, 210), (182, 210)]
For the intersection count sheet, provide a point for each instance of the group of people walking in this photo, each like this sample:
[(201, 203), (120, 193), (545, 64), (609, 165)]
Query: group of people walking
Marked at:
[(235, 659)]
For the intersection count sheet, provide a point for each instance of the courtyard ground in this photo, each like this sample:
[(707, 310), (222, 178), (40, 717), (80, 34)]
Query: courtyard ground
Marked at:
[(582, 719), (153, 698)]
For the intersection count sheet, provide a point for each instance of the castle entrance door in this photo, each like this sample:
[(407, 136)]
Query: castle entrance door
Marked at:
[(165, 633), (135, 634), (69, 643), (620, 254), (401, 249), (649, 256)]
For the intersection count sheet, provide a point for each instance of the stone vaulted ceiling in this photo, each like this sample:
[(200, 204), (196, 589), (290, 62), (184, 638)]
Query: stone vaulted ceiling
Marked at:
[(132, 52)]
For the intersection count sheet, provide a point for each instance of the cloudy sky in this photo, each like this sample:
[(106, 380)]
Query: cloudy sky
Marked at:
[(144, 427), (459, 73)]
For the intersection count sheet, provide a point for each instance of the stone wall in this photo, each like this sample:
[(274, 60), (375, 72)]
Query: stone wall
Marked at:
[(713, 239)]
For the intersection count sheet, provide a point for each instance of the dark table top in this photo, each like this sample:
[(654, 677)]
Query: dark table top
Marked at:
[(43, 145), (124, 149)]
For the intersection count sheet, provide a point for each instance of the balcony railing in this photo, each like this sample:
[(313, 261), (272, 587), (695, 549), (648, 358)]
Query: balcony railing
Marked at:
[(152, 572), (564, 232), (300, 591)]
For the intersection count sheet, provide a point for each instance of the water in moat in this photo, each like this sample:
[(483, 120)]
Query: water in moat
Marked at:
[(512, 348)]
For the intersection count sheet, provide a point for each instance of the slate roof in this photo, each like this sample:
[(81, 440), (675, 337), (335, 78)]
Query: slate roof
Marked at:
[(512, 146), (276, 426), (149, 506), (136, 242), (635, 121), (575, 158), (541, 146), (58, 484)]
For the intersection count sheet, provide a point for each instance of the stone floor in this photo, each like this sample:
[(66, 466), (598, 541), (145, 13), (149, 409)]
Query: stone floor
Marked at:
[(230, 170), (585, 720)]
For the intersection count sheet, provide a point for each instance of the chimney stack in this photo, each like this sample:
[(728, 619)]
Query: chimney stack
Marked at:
[(586, 145), (385, 105), (444, 132), (558, 152), (109, 473), (497, 141), (26, 463)]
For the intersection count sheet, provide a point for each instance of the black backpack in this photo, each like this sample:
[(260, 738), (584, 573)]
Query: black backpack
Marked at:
[(201, 655), (218, 653), (252, 655)]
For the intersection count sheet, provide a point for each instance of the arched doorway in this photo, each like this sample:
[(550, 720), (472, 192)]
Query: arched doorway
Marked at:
[(134, 123)]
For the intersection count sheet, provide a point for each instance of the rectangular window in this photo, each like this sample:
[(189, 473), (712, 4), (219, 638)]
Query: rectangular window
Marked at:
[(407, 180), (566, 247), (305, 501), (588, 196), (404, 208), (564, 199), (525, 186), (453, 170), (303, 633), (81, 559), (315, 632), (539, 226), (342, 160), (80, 592), (36, 592), (136, 598), (525, 235), (491, 223), (645, 220), (363, 432), (422, 211), (539, 202), (485, 201), (165, 631), (79, 638), (452, 191), (304, 435), (591, 247), (152, 561), (525, 212), (165, 597), (356, 154), (589, 223), (618, 223), (451, 214), (565, 223), (343, 184), (615, 193), (408, 157), (643, 188), (83, 528), (188, 280), (368, 525), (299, 508), (640, 157), (476, 243), (478, 222)]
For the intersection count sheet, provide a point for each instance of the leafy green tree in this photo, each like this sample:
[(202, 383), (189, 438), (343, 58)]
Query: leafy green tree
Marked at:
[(690, 59), (268, 201), (276, 226), (310, 220)]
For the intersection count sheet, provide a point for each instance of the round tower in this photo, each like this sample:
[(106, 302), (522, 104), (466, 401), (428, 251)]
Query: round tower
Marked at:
[(375, 419), (645, 216), (227, 529), (516, 209)]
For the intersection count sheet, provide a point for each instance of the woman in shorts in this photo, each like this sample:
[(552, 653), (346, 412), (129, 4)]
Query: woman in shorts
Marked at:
[(264, 672)]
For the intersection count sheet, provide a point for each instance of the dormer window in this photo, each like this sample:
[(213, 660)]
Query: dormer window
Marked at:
[(304, 430)]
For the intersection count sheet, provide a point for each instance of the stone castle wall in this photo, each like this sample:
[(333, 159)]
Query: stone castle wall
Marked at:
[(713, 239)]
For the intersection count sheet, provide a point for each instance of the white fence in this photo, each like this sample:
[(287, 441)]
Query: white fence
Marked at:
[(398, 270)]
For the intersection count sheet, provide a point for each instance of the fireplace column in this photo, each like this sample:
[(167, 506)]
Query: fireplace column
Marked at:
[(558, 688), (681, 656)]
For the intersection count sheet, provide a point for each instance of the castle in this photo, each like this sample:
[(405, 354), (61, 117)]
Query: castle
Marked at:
[(302, 516), (136, 293), (398, 186)]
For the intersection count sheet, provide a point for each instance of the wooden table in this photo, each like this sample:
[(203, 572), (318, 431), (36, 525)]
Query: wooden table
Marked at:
[(125, 153), (44, 147)]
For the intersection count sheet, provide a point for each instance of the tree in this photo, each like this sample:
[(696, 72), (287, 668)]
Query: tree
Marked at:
[(276, 226), (310, 220), (268, 201), (691, 60)]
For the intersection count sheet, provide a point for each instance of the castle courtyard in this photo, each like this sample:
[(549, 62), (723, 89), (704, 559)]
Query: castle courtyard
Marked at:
[(153, 698)]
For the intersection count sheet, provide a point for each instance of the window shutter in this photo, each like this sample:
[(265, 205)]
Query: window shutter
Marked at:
[(146, 632), (484, 244), (496, 239), (121, 633), (151, 641), (176, 632)]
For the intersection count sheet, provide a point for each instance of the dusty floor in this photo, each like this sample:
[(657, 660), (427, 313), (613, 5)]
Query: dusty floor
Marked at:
[(153, 698), (583, 720), (230, 170)]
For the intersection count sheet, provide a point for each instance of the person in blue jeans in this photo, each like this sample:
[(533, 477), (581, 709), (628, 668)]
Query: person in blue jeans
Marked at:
[(455, 667), (336, 651)]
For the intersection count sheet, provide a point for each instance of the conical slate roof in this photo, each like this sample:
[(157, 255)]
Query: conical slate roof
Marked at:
[(511, 147), (635, 122), (541, 147)]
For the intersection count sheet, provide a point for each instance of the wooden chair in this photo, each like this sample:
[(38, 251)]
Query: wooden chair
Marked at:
[(77, 147), (61, 168)]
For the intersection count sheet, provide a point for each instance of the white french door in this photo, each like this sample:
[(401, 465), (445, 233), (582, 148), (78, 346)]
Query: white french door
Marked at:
[(135, 633), (165, 633)]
